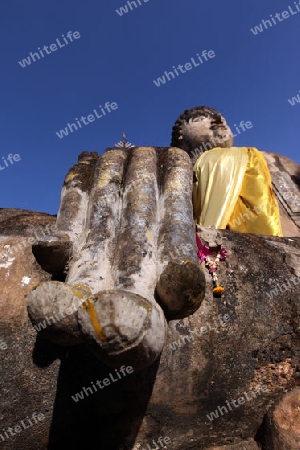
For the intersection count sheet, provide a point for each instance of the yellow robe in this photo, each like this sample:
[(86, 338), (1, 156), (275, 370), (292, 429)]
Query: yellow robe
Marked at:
[(234, 190)]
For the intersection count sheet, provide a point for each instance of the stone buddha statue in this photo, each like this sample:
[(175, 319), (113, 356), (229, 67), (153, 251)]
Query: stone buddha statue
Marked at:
[(124, 259), (238, 188)]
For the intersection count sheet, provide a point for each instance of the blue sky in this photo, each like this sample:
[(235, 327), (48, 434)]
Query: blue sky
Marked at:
[(115, 59)]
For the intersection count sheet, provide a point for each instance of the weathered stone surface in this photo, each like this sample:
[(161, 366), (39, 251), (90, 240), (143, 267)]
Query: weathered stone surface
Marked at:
[(136, 211), (25, 223), (53, 307), (258, 345), (210, 236), (285, 175), (245, 445), (123, 214), (19, 272), (136, 340), (23, 385), (282, 424)]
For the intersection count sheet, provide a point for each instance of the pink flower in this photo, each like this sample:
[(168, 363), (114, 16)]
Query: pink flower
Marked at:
[(223, 254), (203, 249)]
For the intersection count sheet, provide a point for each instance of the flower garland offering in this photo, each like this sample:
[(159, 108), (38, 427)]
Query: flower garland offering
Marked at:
[(205, 254)]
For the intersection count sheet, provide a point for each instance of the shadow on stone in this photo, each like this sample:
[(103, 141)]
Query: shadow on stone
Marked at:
[(107, 418), (45, 352), (53, 257), (296, 179)]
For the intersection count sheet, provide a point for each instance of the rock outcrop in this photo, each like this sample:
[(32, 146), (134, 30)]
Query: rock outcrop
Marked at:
[(282, 423), (221, 373)]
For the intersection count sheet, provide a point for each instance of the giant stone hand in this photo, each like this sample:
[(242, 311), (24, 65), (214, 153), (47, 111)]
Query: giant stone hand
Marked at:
[(125, 224)]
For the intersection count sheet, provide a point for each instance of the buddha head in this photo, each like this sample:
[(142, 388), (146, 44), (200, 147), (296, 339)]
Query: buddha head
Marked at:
[(200, 129)]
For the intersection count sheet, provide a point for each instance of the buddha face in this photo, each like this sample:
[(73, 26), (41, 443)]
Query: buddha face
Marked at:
[(201, 129)]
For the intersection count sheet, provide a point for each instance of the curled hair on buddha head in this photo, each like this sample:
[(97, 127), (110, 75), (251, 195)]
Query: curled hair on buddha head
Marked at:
[(200, 129)]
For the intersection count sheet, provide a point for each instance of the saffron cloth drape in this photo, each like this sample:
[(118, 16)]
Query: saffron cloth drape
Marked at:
[(234, 190)]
